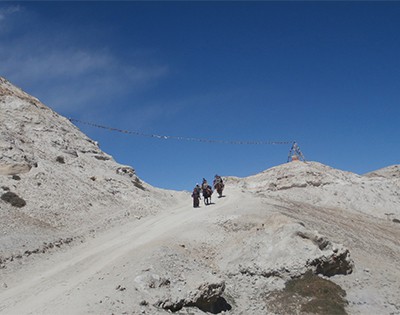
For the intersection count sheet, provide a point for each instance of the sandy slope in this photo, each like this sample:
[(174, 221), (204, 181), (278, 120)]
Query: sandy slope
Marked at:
[(111, 273), (45, 286), (76, 280)]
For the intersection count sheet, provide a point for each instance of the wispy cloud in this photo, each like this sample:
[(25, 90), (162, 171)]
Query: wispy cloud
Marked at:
[(74, 77), (67, 75), (7, 11)]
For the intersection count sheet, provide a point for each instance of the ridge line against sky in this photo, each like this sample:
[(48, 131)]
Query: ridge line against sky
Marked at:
[(323, 73)]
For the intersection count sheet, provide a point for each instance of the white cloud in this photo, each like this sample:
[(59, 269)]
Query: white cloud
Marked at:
[(7, 11), (73, 77), (38, 64), (64, 71)]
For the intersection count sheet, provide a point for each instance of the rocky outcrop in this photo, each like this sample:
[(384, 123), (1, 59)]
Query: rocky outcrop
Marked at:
[(208, 298), (335, 260), (281, 248), (337, 263)]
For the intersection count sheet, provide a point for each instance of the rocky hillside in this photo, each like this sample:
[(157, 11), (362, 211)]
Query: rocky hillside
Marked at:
[(376, 194), (390, 172), (56, 184), (299, 238)]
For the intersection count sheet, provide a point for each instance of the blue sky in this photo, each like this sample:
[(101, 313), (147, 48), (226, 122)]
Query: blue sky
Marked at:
[(326, 74)]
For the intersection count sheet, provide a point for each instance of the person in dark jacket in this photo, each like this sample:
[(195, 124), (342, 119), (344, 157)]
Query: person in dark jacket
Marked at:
[(196, 196)]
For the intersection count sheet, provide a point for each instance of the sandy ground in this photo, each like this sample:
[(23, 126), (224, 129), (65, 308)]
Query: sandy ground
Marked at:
[(44, 285), (107, 274)]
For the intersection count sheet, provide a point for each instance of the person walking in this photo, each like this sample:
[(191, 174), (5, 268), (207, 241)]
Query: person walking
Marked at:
[(196, 196)]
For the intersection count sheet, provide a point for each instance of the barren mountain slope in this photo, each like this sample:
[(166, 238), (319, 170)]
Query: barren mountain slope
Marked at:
[(321, 185), (56, 184), (152, 253)]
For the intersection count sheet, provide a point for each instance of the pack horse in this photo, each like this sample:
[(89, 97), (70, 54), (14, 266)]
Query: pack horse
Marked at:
[(207, 192)]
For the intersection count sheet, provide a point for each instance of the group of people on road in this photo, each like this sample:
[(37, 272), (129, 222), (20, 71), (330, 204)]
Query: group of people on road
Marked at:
[(207, 191)]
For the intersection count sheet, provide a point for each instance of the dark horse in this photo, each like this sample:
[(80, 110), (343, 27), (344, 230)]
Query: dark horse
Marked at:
[(207, 192), (219, 187)]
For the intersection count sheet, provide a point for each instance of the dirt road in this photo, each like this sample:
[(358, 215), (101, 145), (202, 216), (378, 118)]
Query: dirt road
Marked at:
[(48, 280), (46, 283)]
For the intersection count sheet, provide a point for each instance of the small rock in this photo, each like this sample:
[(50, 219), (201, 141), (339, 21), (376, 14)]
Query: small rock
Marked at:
[(120, 288)]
